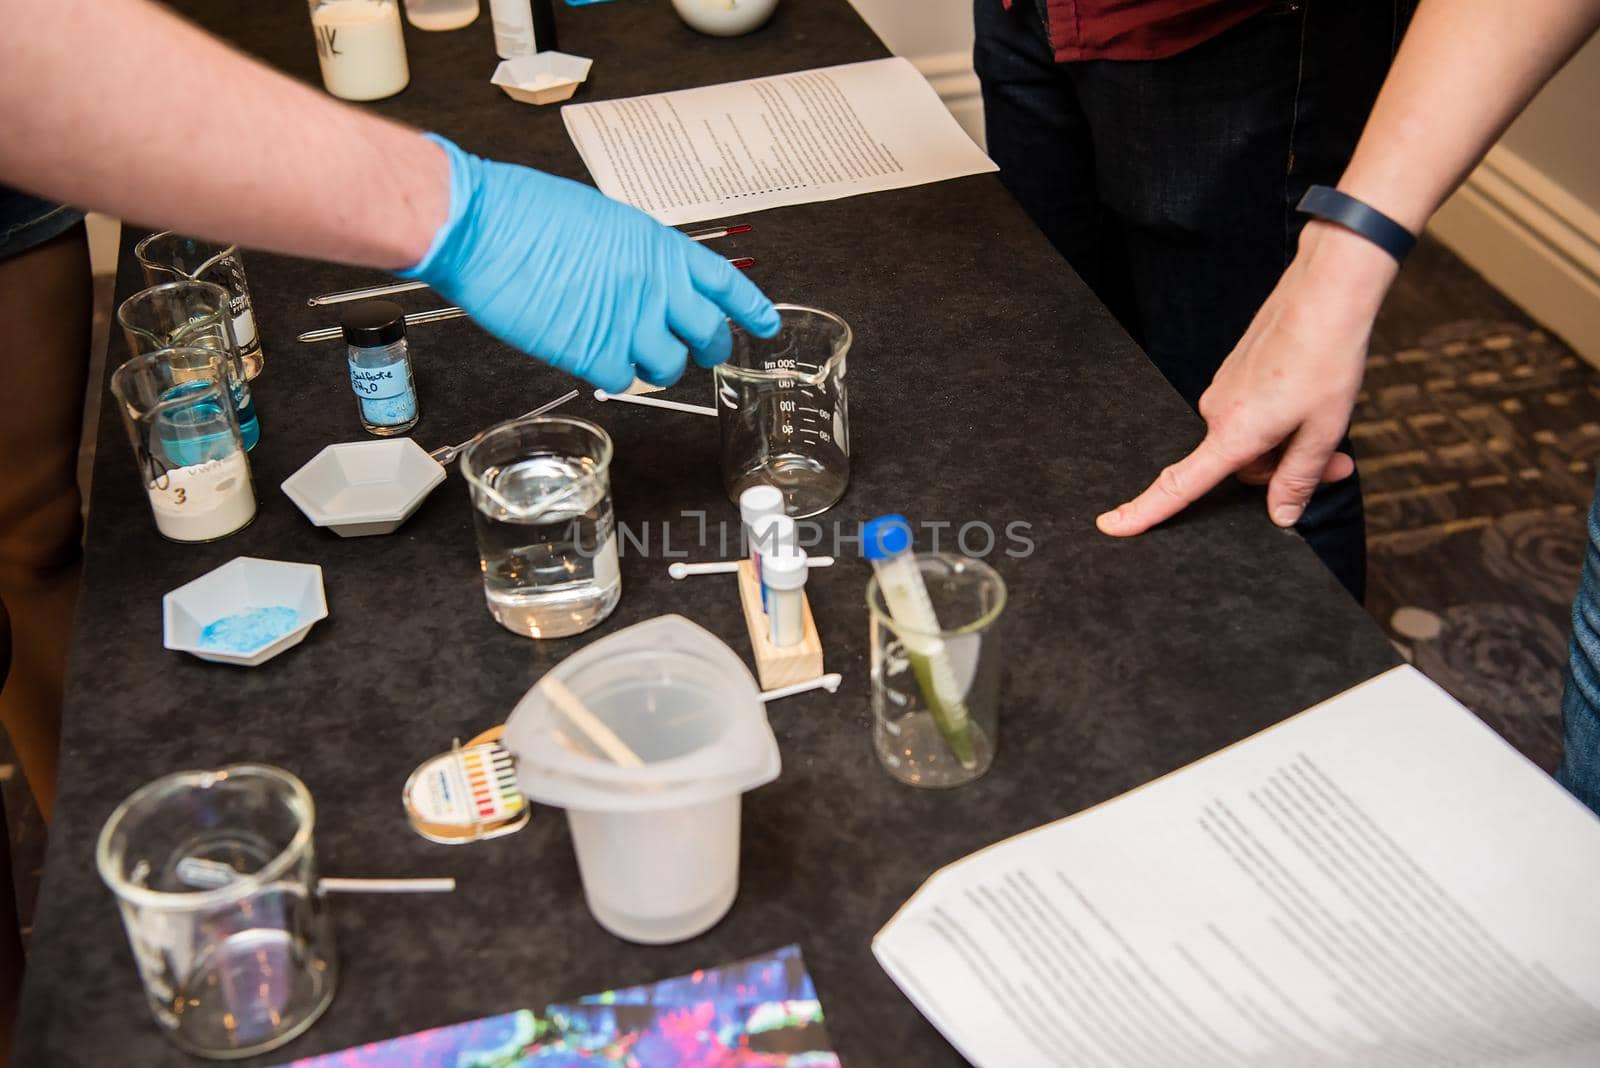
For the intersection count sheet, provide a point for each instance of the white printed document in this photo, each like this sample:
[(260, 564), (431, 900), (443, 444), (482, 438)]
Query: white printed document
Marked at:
[(1379, 881), (823, 134)]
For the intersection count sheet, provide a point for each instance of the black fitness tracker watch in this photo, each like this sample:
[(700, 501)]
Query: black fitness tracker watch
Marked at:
[(1345, 210)]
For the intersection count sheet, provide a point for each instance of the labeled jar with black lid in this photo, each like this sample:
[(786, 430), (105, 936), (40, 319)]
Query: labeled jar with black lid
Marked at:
[(380, 367)]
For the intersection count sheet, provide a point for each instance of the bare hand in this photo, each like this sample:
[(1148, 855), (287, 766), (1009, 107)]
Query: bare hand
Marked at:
[(1281, 401)]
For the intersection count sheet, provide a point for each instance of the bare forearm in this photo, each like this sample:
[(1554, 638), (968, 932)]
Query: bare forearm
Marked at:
[(1466, 69), (120, 106)]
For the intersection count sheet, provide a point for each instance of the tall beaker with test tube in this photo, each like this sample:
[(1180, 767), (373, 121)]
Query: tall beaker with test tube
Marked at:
[(181, 421), (782, 409)]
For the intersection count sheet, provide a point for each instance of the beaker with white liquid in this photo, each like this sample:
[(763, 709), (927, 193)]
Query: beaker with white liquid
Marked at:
[(360, 47), (441, 14), (783, 412), (182, 423), (547, 542)]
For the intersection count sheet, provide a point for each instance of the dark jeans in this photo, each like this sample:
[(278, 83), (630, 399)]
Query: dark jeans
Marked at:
[(1580, 702), (1170, 184)]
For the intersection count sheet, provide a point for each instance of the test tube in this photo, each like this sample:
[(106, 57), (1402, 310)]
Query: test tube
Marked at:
[(768, 535), (755, 502), (786, 572)]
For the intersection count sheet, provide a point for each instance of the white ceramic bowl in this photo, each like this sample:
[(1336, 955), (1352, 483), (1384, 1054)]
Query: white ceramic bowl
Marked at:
[(241, 585), (364, 487), (725, 18), (544, 78)]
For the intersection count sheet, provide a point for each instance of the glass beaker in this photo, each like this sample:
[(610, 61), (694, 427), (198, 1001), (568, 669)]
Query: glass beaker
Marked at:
[(215, 875), (783, 413), (171, 257), (924, 738), (547, 545), (360, 47), (191, 314), (441, 14), (181, 422)]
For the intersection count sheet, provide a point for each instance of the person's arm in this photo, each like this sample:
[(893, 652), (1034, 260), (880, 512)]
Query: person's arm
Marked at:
[(1281, 402), (121, 106)]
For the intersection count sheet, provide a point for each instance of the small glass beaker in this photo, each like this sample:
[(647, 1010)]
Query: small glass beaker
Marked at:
[(181, 422), (547, 544), (783, 412), (215, 875), (925, 737), (171, 257), (191, 314)]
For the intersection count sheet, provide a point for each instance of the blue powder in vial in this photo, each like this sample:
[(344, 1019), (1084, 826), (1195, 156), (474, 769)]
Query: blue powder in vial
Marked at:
[(390, 411), (247, 632)]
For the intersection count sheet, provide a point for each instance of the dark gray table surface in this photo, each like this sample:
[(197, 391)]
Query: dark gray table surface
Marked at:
[(987, 384)]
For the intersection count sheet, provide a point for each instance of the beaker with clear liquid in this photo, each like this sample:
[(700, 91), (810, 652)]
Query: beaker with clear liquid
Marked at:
[(547, 543), (783, 413)]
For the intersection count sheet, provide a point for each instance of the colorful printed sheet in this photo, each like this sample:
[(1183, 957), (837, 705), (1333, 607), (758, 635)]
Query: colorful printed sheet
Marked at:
[(762, 1012)]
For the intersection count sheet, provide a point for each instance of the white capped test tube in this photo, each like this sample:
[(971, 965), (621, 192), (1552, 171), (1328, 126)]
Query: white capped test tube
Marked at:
[(786, 572), (755, 502), (770, 534)]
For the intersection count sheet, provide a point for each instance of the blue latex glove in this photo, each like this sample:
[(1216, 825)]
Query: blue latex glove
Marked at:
[(590, 285)]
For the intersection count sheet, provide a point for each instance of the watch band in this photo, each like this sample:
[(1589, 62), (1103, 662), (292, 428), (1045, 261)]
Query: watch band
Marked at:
[(1336, 207)]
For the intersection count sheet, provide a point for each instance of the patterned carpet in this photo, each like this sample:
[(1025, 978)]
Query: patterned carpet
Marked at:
[(1477, 435)]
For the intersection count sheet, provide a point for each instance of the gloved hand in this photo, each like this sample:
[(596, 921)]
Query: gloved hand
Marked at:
[(590, 285)]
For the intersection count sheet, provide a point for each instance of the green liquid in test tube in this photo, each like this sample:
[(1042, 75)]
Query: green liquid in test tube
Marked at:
[(887, 544)]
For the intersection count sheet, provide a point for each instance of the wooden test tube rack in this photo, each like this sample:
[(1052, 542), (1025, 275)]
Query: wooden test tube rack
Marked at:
[(778, 665)]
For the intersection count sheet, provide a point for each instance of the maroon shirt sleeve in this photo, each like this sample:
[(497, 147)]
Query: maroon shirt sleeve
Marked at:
[(1139, 29)]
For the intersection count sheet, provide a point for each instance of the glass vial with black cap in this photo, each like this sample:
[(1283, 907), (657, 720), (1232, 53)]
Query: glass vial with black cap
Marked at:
[(380, 367)]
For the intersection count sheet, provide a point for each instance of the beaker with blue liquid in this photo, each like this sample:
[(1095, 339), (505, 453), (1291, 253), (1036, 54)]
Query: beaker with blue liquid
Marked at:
[(192, 314)]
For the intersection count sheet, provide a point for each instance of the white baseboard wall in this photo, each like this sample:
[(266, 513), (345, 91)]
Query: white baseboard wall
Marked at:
[(952, 77), (1533, 241)]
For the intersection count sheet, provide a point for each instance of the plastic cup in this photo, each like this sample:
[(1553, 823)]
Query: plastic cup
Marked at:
[(657, 844)]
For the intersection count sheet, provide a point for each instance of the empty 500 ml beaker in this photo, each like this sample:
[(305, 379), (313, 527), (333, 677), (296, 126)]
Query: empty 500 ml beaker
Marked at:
[(782, 410), (541, 493), (216, 879), (181, 422)]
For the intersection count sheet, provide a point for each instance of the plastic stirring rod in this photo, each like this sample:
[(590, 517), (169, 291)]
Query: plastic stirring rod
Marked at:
[(604, 738), (387, 886), (655, 402), (445, 453), (829, 682), (727, 567), (203, 874)]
